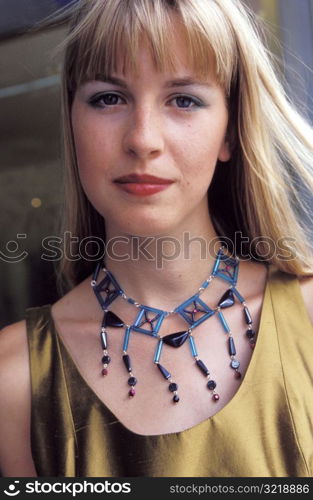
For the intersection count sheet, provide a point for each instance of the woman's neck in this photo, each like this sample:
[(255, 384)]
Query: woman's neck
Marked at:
[(160, 271)]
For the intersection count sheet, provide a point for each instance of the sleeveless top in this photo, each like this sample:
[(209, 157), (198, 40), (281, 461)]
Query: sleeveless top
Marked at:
[(265, 430)]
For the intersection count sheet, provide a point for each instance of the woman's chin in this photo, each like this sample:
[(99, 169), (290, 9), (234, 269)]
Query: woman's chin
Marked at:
[(141, 221)]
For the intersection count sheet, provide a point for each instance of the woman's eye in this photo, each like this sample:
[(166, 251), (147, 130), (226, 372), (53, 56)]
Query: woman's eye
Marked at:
[(111, 99), (104, 100), (186, 102)]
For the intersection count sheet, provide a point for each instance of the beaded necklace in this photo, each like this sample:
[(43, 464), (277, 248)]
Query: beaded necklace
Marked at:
[(194, 311)]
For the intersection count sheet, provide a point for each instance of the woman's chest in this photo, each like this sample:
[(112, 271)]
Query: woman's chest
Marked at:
[(202, 384)]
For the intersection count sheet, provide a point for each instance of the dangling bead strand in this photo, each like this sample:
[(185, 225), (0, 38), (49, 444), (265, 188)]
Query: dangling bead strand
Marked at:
[(248, 319), (234, 363), (132, 381), (173, 387), (109, 319), (105, 358), (103, 334), (103, 338), (228, 300), (211, 384), (251, 336), (232, 352), (250, 332)]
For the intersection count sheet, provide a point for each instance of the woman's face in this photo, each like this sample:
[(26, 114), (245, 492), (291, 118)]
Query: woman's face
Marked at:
[(169, 125)]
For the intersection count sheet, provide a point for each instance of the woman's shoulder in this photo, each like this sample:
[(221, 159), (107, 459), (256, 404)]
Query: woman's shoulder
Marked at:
[(302, 294), (256, 275), (76, 305), (15, 390), (13, 353), (14, 373), (306, 286)]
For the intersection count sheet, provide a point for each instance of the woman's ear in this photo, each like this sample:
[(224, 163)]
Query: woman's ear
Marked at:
[(224, 153)]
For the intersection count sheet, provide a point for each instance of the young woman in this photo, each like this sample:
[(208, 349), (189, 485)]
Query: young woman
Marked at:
[(185, 157)]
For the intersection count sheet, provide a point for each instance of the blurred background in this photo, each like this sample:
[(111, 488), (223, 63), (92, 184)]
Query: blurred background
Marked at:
[(30, 152)]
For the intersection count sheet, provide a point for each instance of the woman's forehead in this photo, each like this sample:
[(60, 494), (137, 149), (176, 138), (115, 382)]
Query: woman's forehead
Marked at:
[(180, 64)]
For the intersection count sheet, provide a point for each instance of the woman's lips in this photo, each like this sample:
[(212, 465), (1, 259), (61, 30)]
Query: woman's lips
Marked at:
[(142, 185), (140, 189)]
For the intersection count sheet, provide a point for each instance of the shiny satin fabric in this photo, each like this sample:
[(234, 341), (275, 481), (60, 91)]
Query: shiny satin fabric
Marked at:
[(265, 430)]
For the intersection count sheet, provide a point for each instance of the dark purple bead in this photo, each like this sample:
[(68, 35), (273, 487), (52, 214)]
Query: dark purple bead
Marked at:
[(103, 337), (231, 346), (127, 362), (250, 334), (176, 339), (247, 315), (164, 371), (211, 384), (176, 398), (112, 320), (202, 367), (227, 300), (132, 381), (106, 359), (173, 387)]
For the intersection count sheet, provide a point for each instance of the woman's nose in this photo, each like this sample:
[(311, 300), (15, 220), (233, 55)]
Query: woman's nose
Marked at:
[(143, 136)]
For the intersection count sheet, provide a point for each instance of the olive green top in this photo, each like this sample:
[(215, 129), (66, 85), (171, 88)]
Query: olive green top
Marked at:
[(265, 430)]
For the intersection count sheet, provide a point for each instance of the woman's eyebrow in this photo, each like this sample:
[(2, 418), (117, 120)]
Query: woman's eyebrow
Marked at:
[(183, 82), (176, 82), (111, 79)]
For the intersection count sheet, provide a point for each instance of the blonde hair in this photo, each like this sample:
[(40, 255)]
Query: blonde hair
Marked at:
[(266, 187)]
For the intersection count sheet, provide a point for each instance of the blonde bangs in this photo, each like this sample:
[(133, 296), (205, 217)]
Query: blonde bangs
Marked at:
[(108, 37)]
